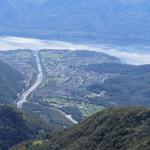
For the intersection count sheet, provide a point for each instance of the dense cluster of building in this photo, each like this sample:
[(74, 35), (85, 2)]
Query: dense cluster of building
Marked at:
[(23, 61), (67, 77)]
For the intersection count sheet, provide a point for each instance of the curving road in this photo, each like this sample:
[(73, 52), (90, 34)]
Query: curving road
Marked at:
[(38, 81)]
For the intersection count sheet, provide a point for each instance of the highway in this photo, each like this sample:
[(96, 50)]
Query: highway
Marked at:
[(40, 76), (38, 81)]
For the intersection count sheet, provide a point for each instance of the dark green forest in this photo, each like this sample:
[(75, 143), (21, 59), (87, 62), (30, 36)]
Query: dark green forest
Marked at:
[(17, 126), (11, 83), (131, 87), (111, 129)]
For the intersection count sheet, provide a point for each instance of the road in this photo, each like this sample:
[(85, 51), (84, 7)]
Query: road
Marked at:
[(38, 81), (69, 117)]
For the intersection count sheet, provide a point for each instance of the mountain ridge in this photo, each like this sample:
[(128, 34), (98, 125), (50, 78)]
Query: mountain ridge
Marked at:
[(112, 129), (119, 21)]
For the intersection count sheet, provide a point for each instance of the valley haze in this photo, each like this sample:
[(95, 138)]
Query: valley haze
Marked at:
[(74, 74), (129, 55)]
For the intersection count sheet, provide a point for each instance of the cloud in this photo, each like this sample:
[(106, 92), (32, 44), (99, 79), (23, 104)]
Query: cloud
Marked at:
[(127, 56)]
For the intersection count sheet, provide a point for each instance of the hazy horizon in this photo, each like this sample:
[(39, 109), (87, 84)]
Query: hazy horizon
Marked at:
[(133, 57)]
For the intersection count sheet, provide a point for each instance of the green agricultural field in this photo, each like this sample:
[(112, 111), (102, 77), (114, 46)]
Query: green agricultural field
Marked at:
[(86, 109), (89, 109), (39, 142), (60, 102), (47, 55), (56, 80), (23, 55)]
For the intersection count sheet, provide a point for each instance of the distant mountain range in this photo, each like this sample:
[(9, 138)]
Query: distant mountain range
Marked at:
[(119, 21)]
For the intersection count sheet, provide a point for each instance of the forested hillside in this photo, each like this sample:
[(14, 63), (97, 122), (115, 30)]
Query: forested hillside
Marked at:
[(111, 129), (11, 83), (16, 126), (131, 87)]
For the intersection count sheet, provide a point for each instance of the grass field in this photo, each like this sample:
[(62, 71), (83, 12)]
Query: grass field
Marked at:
[(53, 80), (23, 55), (86, 109), (39, 142), (89, 109), (47, 55)]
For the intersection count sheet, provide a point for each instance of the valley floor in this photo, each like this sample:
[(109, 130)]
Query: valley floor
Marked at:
[(65, 87)]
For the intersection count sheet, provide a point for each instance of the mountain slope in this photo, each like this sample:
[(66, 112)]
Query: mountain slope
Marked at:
[(11, 83), (106, 20), (16, 126), (131, 87), (111, 129)]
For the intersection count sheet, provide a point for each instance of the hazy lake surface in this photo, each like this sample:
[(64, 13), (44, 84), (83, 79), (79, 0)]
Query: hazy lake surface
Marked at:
[(130, 55)]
